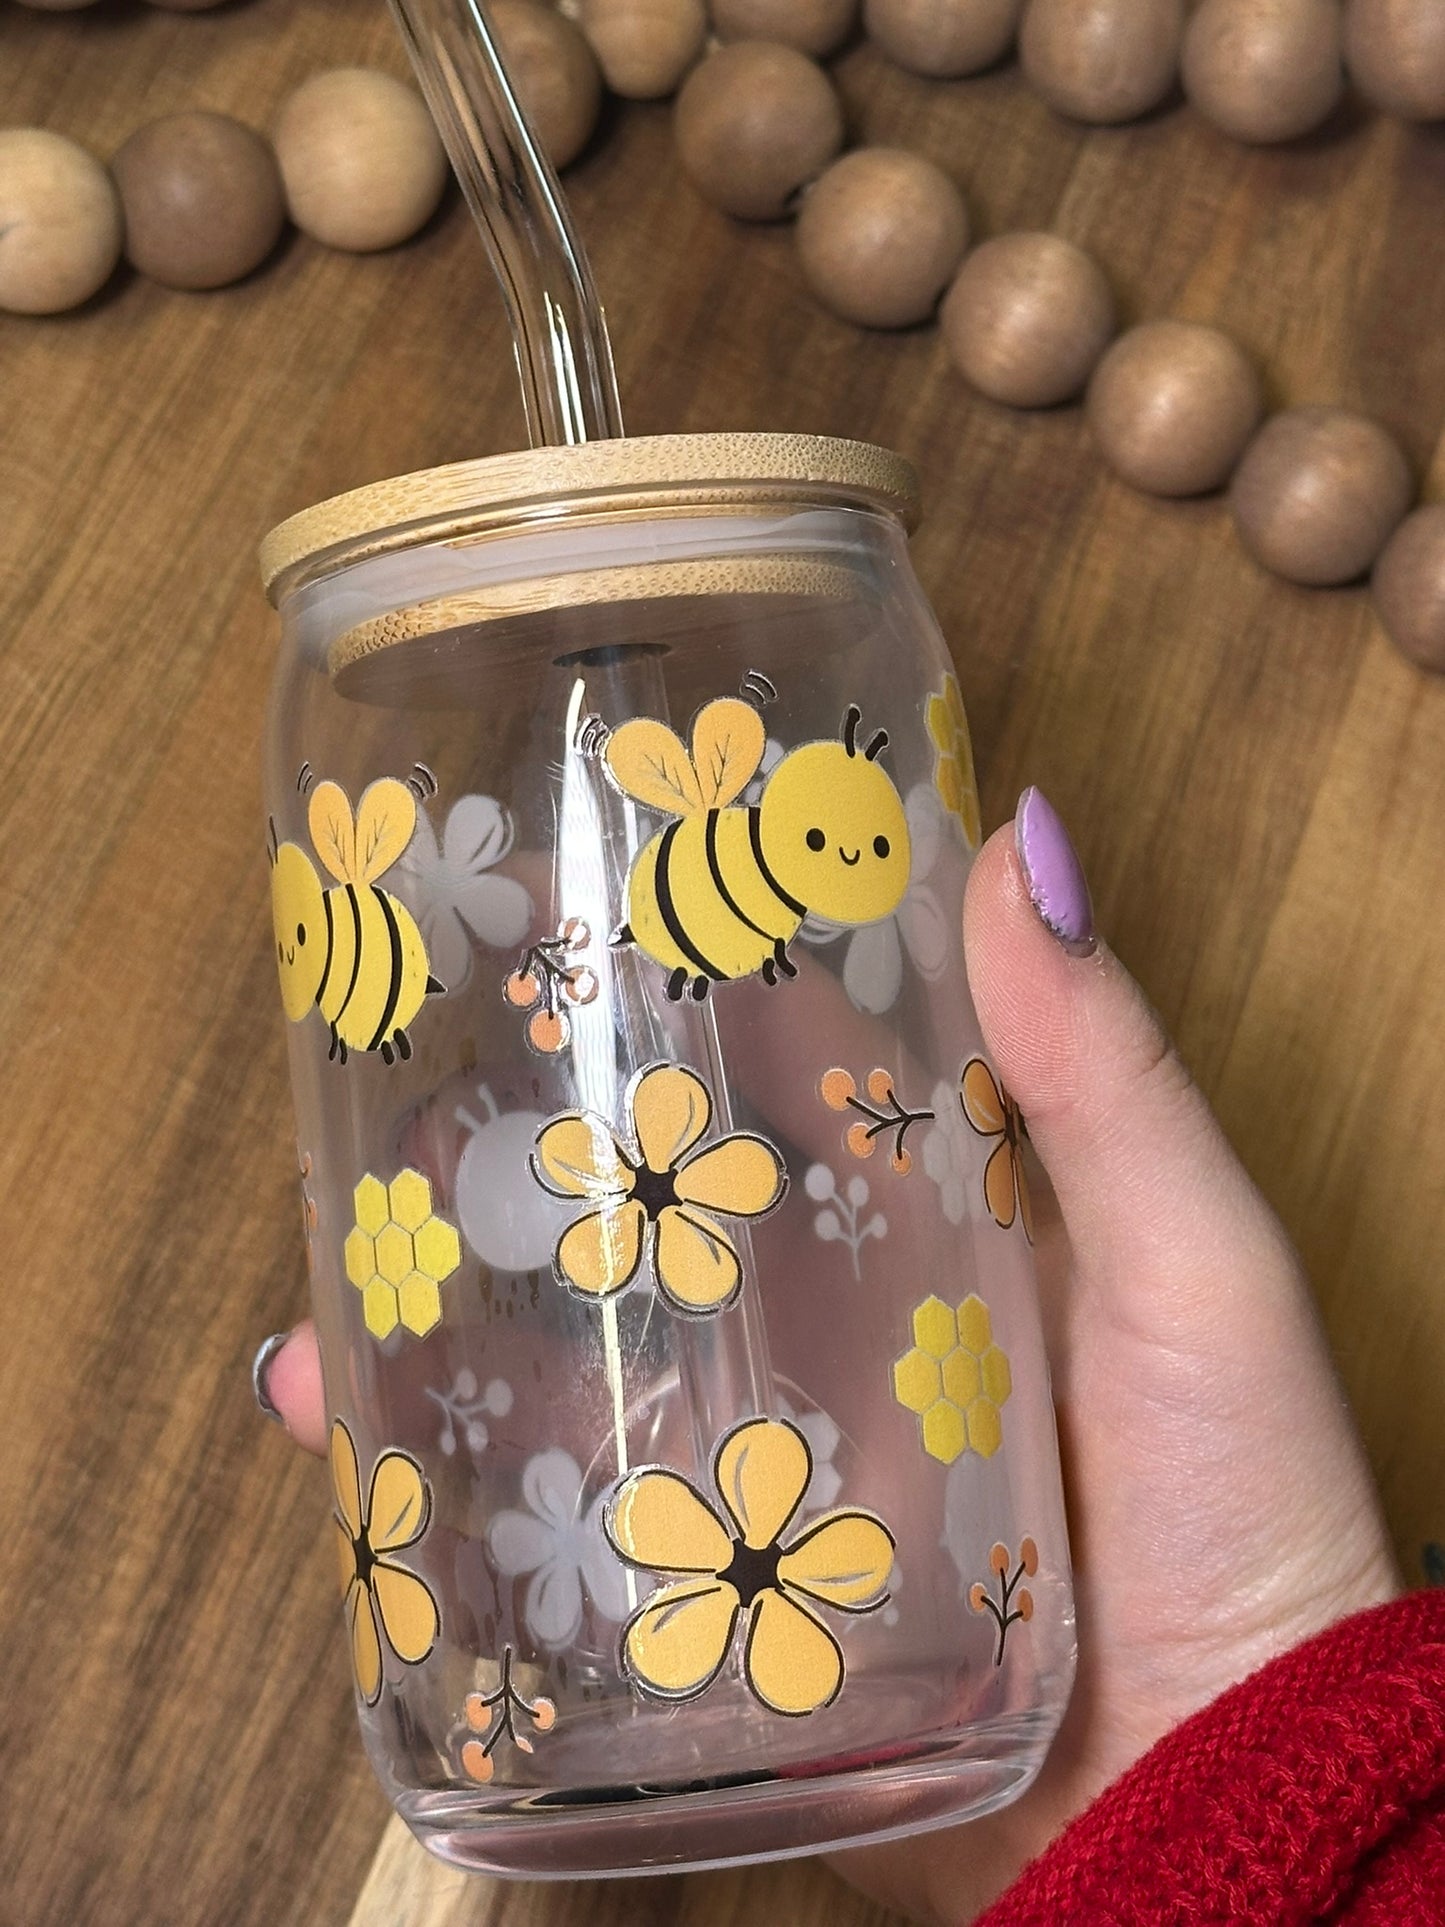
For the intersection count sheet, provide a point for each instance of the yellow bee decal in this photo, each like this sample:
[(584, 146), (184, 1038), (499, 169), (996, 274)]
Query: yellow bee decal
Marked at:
[(349, 947), (721, 892)]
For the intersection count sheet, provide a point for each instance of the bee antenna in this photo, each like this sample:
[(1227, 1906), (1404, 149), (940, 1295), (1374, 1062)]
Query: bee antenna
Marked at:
[(850, 728), (592, 735), (877, 743), (422, 782), (305, 778), (273, 844), (758, 689)]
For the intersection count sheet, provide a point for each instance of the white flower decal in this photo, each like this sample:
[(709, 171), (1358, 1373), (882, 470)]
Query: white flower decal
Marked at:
[(873, 962), (448, 888), (949, 1152), (564, 1550)]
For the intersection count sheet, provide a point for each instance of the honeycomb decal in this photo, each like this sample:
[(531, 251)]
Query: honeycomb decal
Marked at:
[(955, 1379), (398, 1253)]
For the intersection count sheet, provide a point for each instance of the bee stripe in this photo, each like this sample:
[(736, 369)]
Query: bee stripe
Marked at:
[(330, 945), (394, 987), (720, 884), (668, 910), (355, 954), (756, 840)]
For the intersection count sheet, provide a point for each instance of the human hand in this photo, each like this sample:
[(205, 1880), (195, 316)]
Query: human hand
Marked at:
[(1220, 1507)]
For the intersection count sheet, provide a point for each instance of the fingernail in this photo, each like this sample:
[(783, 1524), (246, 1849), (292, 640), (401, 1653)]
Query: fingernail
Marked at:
[(1057, 887), (260, 1373)]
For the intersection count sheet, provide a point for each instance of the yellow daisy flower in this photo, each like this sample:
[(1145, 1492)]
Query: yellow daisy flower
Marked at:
[(953, 774), (738, 1567), (660, 1196), (382, 1597)]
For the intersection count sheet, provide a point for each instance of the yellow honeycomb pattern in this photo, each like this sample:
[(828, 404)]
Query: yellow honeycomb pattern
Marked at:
[(397, 1254), (955, 1378)]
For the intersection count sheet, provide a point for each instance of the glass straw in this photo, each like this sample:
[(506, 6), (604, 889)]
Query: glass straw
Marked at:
[(559, 332)]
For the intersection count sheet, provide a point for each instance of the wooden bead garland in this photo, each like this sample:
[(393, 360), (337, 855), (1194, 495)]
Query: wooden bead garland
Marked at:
[(754, 123), (880, 236), (1102, 60), (943, 38), (1172, 405), (203, 200), (1269, 71), (1319, 495), (60, 222), (1027, 319)]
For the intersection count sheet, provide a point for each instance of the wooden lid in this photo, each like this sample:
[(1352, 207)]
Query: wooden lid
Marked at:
[(661, 472)]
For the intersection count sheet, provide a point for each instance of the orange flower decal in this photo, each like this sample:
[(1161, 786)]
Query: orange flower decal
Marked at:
[(993, 1113)]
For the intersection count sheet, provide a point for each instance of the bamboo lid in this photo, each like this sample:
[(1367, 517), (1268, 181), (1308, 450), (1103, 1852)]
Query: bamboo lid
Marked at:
[(646, 473)]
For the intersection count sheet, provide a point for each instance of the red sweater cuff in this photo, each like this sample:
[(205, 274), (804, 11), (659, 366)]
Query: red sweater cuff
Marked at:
[(1312, 1792)]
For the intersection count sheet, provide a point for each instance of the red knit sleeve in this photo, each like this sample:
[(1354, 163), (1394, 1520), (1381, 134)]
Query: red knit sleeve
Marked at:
[(1312, 1792)]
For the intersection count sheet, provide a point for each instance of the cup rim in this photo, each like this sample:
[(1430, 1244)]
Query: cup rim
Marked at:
[(662, 472)]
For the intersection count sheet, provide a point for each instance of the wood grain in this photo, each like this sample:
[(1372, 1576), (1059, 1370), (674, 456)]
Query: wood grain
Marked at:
[(1256, 781)]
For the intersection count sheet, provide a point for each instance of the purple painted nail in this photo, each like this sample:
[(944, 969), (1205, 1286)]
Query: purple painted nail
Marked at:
[(260, 1371), (1053, 873)]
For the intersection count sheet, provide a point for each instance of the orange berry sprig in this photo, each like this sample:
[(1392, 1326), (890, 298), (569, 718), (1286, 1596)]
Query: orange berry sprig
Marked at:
[(494, 1716), (1014, 1602), (545, 982), (840, 1093)]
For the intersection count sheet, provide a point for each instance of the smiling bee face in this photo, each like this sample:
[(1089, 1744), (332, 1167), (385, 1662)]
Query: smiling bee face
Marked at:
[(298, 918), (834, 834)]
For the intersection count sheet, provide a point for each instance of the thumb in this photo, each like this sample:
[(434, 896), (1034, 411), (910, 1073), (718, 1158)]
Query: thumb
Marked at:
[(1197, 1395), (1161, 1216)]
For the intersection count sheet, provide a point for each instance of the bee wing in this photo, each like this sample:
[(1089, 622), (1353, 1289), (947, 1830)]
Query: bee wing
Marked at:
[(648, 760), (333, 830), (728, 740), (385, 819)]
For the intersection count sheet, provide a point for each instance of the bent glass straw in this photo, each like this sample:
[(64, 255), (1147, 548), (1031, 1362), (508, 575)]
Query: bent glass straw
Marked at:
[(559, 332)]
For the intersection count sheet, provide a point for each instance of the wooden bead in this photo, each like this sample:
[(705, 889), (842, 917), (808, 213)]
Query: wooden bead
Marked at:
[(815, 27), (943, 38), (60, 222), (203, 200), (1027, 319), (880, 235), (1319, 493), (754, 123), (57, 6), (362, 163), (554, 72), (186, 6), (1270, 71), (1408, 587), (1395, 51), (1102, 60), (1172, 406), (644, 47)]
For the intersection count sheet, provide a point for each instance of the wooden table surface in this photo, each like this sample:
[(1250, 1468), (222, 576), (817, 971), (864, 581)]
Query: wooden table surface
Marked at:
[(1256, 781)]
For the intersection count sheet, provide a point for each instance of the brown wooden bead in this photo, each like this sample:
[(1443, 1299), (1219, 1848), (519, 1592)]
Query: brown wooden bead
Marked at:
[(1408, 587), (186, 6), (203, 200), (1102, 60), (1395, 51), (362, 163), (1172, 406), (60, 222), (754, 123), (1319, 493), (554, 72), (943, 38), (815, 27), (880, 235), (1027, 318), (644, 47), (1269, 71), (58, 6)]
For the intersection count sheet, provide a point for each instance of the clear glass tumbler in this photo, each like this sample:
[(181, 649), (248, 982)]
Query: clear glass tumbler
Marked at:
[(696, 1486)]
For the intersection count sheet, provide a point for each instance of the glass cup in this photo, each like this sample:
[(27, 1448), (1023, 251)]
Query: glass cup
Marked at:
[(696, 1486)]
